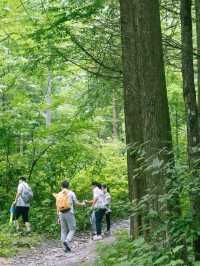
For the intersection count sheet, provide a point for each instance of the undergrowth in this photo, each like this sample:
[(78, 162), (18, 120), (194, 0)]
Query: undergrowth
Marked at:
[(11, 242), (124, 252)]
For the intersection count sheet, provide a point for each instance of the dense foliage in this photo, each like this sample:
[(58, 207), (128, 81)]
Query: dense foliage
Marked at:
[(61, 117), (56, 117)]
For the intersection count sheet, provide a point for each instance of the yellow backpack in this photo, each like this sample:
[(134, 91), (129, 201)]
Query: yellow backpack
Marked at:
[(63, 201)]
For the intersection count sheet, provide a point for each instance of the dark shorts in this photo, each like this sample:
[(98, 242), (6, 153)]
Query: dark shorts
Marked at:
[(22, 211)]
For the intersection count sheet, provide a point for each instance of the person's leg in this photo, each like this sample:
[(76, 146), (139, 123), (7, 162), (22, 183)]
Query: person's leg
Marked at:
[(99, 216), (28, 227), (71, 223), (108, 218), (25, 217), (63, 225), (18, 213), (97, 220), (93, 223)]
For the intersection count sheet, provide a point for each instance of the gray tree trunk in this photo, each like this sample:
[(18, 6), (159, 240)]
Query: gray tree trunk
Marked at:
[(156, 121), (197, 9), (132, 106), (191, 112), (145, 96)]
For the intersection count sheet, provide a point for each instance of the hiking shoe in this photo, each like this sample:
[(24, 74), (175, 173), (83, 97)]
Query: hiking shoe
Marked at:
[(107, 233), (96, 238), (92, 235), (67, 248)]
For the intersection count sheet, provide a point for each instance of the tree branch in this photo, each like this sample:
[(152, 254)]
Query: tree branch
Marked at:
[(35, 161)]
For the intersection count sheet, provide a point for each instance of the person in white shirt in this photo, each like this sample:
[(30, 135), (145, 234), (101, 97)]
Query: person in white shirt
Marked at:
[(22, 207), (108, 207), (98, 205)]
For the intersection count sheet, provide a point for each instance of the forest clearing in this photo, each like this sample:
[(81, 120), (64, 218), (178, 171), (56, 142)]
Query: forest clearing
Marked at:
[(100, 132)]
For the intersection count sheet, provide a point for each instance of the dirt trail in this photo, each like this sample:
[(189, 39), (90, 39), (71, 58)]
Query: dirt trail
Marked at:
[(50, 253)]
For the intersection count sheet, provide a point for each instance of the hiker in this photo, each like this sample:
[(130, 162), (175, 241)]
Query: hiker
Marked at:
[(108, 207), (22, 202), (98, 205), (65, 201)]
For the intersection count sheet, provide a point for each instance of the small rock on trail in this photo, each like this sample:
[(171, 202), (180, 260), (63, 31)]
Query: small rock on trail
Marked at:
[(50, 253)]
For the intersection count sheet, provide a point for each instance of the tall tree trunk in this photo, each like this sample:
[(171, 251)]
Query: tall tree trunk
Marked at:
[(191, 110), (145, 96), (177, 133), (156, 127), (132, 106), (197, 8)]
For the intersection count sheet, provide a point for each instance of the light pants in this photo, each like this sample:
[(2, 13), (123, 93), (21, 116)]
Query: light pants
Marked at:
[(68, 226), (93, 223)]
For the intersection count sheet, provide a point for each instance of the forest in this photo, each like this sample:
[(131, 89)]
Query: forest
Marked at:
[(105, 91)]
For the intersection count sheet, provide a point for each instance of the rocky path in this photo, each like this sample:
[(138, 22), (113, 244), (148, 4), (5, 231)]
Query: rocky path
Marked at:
[(50, 253)]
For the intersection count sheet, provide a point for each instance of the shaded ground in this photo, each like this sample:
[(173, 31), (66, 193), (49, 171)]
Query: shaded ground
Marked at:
[(50, 253), (3, 262)]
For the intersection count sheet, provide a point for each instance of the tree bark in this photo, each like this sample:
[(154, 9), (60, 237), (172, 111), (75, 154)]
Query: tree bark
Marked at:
[(197, 9), (177, 133), (145, 96), (191, 112), (156, 121), (132, 106)]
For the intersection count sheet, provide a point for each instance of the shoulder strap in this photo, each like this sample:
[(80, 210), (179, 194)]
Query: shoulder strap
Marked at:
[(65, 191), (27, 187)]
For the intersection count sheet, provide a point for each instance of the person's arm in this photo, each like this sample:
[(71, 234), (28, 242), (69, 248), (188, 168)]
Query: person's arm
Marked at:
[(81, 204), (17, 197), (108, 199), (94, 202), (58, 217), (18, 194), (55, 195), (95, 198), (89, 201), (57, 210), (77, 202)]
